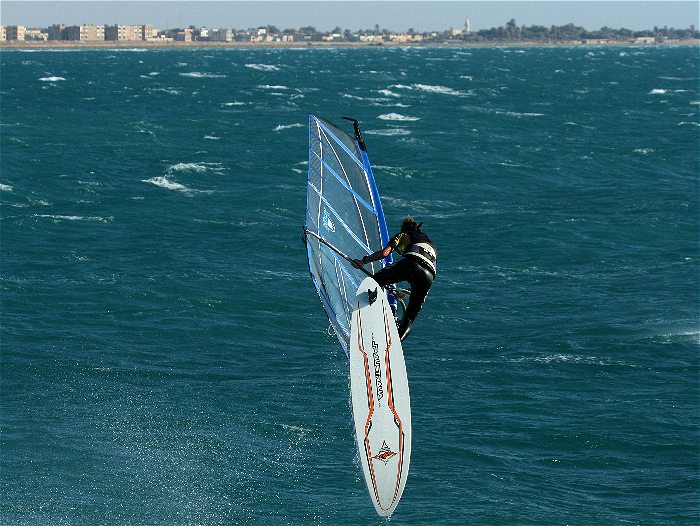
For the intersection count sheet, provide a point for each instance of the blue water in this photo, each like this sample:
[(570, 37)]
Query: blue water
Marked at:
[(164, 356)]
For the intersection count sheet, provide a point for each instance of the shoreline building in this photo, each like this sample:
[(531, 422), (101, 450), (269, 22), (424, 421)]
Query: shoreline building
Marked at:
[(14, 32), (84, 33), (221, 35), (36, 35), (148, 32), (117, 32), (3, 34), (55, 31), (180, 35)]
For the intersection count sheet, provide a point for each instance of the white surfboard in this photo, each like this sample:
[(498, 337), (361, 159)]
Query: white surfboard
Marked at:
[(380, 402)]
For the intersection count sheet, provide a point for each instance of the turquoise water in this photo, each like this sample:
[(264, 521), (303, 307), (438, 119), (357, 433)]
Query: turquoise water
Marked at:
[(165, 358)]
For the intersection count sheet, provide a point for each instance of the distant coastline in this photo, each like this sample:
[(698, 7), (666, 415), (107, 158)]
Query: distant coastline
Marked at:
[(142, 44)]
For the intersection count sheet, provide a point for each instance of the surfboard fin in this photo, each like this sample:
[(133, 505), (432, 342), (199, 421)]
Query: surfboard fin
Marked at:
[(372, 295)]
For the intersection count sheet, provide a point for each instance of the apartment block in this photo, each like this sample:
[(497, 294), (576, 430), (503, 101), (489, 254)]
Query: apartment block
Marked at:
[(221, 35), (148, 32), (56, 31), (118, 32), (84, 33), (183, 35), (36, 35), (14, 32), (3, 33)]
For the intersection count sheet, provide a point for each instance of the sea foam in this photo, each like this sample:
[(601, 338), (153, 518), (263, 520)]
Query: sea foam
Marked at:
[(390, 132), (56, 218), (397, 117), (428, 88), (388, 93), (194, 167), (281, 127), (263, 67), (164, 182), (200, 75)]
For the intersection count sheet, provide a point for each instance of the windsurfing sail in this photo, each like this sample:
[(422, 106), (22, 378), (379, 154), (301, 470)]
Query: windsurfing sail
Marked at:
[(344, 219)]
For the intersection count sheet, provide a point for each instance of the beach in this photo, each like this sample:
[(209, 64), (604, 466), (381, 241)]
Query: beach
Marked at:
[(149, 44)]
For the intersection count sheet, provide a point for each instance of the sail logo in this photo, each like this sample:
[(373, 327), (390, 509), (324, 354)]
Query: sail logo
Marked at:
[(327, 222)]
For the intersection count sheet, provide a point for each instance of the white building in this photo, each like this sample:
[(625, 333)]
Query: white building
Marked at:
[(221, 35)]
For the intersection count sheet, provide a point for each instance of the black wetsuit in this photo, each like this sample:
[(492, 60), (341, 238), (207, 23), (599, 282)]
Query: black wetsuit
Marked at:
[(417, 266)]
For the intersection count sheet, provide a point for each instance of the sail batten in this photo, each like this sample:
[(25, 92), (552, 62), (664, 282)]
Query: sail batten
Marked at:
[(340, 179)]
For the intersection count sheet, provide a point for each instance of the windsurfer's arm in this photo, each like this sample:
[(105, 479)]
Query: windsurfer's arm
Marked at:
[(374, 256)]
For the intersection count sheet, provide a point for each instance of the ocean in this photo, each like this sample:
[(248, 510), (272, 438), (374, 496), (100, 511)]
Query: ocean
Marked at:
[(165, 359)]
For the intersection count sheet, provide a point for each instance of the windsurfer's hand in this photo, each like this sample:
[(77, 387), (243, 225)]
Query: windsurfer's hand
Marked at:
[(357, 263)]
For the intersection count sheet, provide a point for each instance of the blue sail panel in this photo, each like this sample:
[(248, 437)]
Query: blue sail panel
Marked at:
[(342, 208)]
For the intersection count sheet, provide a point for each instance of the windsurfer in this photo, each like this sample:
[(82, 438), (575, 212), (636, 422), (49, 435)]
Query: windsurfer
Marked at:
[(417, 266)]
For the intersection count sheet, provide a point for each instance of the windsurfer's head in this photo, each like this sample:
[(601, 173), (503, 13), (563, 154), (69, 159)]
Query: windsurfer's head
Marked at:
[(409, 224)]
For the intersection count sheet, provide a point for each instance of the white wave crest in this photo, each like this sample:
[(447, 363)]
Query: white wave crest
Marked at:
[(5, 187), (194, 167), (200, 75), (263, 67), (388, 93), (519, 115), (57, 218), (658, 92), (428, 88), (438, 89), (281, 127), (164, 182), (51, 79), (170, 91), (390, 132), (397, 117), (234, 104), (268, 86)]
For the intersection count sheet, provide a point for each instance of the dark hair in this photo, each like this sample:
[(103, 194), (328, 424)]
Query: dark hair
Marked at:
[(409, 224)]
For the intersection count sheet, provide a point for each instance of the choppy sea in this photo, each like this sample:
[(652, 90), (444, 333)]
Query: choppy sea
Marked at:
[(165, 359)]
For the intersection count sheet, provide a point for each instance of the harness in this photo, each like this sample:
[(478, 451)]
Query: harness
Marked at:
[(422, 250)]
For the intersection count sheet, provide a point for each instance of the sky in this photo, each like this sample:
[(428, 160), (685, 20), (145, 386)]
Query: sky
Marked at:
[(398, 15)]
